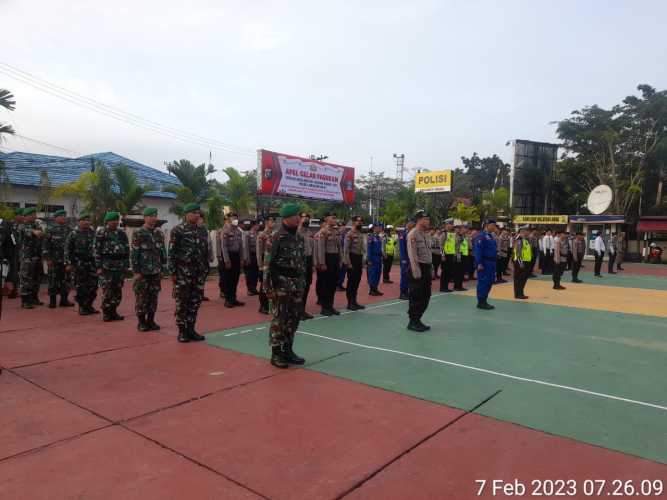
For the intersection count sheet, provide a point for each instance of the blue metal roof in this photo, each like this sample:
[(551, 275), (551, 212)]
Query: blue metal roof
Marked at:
[(24, 169)]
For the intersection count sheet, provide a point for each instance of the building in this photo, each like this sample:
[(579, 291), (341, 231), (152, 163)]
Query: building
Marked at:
[(532, 175), (25, 171)]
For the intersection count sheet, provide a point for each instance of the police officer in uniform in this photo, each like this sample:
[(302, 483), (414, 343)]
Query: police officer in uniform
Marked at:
[(390, 241), (486, 253), (231, 247), (284, 281), (503, 242), (189, 266), (149, 261), (53, 252), (559, 259), (449, 250), (263, 241), (112, 261), (31, 259), (421, 266), (578, 252), (375, 256), (404, 283), (342, 268), (308, 244), (354, 254), (328, 253), (436, 250), (522, 256), (460, 252), (80, 262), (250, 256)]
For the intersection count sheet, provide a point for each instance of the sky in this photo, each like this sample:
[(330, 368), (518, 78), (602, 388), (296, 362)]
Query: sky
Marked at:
[(434, 80)]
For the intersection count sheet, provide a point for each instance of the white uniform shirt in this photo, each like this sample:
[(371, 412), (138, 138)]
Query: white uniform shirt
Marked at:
[(599, 244)]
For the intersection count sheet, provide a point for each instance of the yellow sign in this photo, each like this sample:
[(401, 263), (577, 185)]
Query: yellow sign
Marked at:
[(433, 182), (539, 219)]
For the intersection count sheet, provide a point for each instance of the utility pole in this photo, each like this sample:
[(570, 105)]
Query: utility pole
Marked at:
[(400, 162)]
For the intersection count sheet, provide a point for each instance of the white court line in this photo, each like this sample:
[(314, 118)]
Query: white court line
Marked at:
[(491, 372)]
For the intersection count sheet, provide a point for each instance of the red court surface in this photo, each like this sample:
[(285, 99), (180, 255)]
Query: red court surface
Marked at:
[(93, 410)]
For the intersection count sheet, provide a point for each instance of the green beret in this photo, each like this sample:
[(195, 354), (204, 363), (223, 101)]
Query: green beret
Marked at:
[(109, 216), (18, 211), (150, 211), (190, 207), (29, 211), (60, 213), (289, 209), (84, 215)]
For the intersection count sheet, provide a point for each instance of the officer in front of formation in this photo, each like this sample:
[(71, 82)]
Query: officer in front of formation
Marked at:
[(250, 256), (263, 241), (284, 280), (112, 261), (449, 251), (53, 252), (421, 266), (149, 262), (31, 259), (189, 266), (522, 257), (374, 255), (327, 262), (308, 245), (231, 247), (80, 262), (485, 251), (354, 254)]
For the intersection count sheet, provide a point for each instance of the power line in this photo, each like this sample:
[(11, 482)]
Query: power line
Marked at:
[(37, 141), (115, 113)]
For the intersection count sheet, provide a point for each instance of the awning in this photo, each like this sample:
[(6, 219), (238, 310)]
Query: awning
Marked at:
[(652, 226)]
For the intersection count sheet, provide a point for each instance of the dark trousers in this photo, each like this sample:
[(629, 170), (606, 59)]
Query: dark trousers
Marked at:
[(576, 267), (231, 276), (386, 268), (318, 286), (342, 272), (458, 273), (569, 261), (558, 272), (329, 279), (612, 259), (521, 273), (437, 259), (419, 292), (501, 266), (309, 280), (547, 262), (532, 262), (598, 262), (354, 272), (251, 275), (447, 271), (469, 264), (263, 299)]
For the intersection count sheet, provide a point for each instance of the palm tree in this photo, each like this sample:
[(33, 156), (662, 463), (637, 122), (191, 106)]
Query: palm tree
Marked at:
[(194, 180), (237, 191), (130, 191), (6, 101)]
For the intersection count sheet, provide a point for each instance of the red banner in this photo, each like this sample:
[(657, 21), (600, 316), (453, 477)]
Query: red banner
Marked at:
[(281, 174)]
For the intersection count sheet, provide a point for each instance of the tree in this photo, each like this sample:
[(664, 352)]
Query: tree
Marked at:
[(466, 214), (237, 191), (130, 192), (194, 180), (7, 102)]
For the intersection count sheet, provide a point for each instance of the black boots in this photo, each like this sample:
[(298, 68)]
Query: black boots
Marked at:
[(404, 296), (283, 356), (305, 316), (375, 292), (484, 305), (187, 333), (193, 334), (142, 326), (150, 321), (292, 357), (64, 302), (417, 326), (355, 306), (26, 303), (183, 334), (52, 301), (329, 312), (112, 315)]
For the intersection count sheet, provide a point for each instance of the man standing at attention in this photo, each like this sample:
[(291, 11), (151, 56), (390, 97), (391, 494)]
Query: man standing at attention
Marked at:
[(328, 252), (578, 252), (389, 249), (449, 249), (375, 256), (149, 260), (53, 251), (354, 254), (284, 281), (30, 259), (231, 247), (599, 253), (80, 260), (486, 253), (522, 256), (560, 258), (112, 261), (188, 265), (421, 266), (250, 256)]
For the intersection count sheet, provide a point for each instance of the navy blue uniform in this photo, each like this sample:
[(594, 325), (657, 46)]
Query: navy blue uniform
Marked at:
[(374, 260), (485, 251), (405, 263)]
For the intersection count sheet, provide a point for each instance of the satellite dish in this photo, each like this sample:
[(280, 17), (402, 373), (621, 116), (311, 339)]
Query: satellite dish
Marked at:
[(599, 199)]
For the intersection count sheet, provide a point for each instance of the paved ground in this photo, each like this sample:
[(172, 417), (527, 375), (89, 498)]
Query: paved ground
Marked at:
[(564, 387)]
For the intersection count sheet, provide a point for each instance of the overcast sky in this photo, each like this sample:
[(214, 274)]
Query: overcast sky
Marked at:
[(434, 80)]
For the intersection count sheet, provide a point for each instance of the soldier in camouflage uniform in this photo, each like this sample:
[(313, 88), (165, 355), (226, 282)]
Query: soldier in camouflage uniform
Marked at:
[(14, 264), (53, 252), (189, 266), (80, 262), (149, 259), (31, 259), (112, 261), (284, 282)]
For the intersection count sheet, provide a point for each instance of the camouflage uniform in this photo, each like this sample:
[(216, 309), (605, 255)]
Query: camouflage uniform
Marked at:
[(53, 250), (189, 262), (15, 262), (148, 259), (112, 256), (284, 281), (79, 253), (31, 262)]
